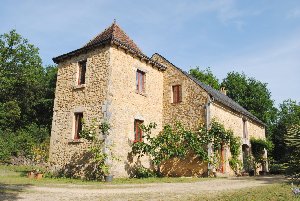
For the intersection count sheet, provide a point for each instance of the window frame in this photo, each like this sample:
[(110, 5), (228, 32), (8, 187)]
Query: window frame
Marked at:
[(140, 81), (176, 93), (78, 117), (138, 132), (82, 66)]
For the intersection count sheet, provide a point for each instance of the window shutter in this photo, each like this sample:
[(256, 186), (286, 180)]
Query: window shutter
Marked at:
[(179, 93), (143, 82), (76, 127)]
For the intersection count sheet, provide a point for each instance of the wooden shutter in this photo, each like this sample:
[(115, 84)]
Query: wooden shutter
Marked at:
[(179, 94), (138, 133), (140, 81), (81, 72), (78, 125)]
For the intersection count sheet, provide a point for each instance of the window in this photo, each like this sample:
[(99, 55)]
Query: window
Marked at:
[(177, 96), (78, 125), (81, 72), (140, 81), (138, 133), (245, 130)]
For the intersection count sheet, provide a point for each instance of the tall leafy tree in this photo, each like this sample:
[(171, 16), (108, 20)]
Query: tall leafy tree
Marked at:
[(285, 130), (252, 94), (26, 96), (206, 76), (21, 75), (44, 106)]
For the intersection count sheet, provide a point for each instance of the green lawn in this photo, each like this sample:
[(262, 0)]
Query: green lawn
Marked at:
[(16, 175), (12, 177), (271, 192)]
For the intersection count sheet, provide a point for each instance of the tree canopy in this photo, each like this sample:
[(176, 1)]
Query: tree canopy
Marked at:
[(285, 132), (252, 94), (206, 76), (26, 95)]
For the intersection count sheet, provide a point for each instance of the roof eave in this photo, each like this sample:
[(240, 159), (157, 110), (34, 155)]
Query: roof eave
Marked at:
[(110, 41)]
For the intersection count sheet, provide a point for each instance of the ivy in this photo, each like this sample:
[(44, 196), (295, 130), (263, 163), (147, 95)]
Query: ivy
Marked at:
[(178, 142), (98, 157), (258, 147)]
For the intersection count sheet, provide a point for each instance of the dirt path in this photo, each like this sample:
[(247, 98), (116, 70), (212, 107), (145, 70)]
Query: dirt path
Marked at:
[(153, 191)]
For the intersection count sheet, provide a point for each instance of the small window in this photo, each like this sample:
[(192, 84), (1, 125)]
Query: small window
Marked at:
[(140, 81), (78, 125), (81, 72), (177, 94), (138, 133)]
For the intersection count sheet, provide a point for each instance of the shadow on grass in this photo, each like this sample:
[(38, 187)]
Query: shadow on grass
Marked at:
[(11, 191)]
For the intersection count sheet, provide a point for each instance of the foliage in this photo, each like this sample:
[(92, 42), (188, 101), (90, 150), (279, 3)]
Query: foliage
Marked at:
[(258, 147), (235, 150), (26, 96), (6, 147), (100, 151), (284, 131), (178, 142), (40, 152), (10, 115), (142, 172), (253, 95), (206, 76), (292, 137)]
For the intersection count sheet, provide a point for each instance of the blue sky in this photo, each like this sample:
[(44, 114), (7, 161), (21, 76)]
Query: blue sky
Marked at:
[(260, 37)]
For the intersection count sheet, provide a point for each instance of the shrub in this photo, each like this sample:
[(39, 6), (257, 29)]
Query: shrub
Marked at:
[(142, 172), (5, 149)]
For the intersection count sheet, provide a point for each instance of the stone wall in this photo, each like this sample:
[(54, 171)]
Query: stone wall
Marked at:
[(190, 111), (234, 121), (126, 105), (229, 118), (256, 130), (71, 98)]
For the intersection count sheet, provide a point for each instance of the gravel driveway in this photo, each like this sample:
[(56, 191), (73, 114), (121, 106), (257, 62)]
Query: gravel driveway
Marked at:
[(152, 191)]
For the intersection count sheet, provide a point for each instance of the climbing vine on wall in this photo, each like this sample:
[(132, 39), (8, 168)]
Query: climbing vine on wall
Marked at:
[(178, 141)]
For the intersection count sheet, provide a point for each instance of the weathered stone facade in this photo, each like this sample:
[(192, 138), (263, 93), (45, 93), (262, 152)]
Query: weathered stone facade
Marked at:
[(110, 94), (236, 122), (70, 98), (190, 111), (126, 104)]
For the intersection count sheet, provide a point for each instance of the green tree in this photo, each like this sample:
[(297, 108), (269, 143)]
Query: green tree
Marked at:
[(206, 76), (9, 115), (26, 96), (21, 74), (285, 130), (44, 106), (253, 95)]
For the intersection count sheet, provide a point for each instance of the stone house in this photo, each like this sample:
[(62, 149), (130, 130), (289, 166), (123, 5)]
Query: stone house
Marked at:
[(111, 79)]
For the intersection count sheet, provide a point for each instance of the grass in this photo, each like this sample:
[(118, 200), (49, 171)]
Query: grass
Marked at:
[(270, 192), (16, 175), (13, 180)]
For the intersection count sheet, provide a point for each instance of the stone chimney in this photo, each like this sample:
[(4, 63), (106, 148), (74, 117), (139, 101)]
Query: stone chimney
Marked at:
[(223, 90)]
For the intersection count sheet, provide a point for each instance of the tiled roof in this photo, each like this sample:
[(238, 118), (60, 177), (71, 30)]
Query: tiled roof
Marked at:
[(112, 35), (217, 95), (114, 32)]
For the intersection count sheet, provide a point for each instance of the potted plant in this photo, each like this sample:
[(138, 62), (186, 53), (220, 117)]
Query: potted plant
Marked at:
[(35, 174)]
